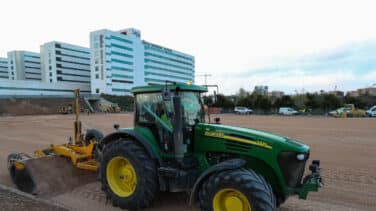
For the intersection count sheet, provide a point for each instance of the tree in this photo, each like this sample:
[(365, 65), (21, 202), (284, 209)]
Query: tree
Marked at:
[(287, 101), (299, 100), (208, 100), (223, 102), (246, 101), (242, 93), (311, 101), (330, 102)]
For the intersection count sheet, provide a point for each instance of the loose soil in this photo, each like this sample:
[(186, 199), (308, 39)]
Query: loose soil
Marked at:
[(11, 199), (346, 148)]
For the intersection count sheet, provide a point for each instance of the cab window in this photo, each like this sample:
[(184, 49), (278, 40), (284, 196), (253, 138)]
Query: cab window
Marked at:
[(148, 103)]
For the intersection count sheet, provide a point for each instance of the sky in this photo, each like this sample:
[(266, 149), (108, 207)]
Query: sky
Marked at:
[(288, 45)]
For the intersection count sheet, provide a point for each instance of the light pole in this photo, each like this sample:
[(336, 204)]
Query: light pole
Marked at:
[(205, 77)]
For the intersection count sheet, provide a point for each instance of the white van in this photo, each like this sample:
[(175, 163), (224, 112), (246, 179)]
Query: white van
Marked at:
[(287, 111), (371, 112)]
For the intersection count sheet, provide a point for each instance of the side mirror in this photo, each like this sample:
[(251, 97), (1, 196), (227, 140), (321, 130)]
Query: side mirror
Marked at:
[(166, 95), (217, 120)]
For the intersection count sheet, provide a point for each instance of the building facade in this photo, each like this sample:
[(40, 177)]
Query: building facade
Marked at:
[(24, 65), (370, 91), (261, 90), (4, 73), (121, 60), (161, 64), (276, 94), (114, 68), (115, 62), (62, 62), (40, 88)]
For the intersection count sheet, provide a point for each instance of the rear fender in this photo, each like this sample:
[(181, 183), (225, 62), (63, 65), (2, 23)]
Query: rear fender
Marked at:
[(134, 136), (225, 165)]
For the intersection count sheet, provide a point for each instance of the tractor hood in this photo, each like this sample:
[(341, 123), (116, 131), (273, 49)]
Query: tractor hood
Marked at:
[(253, 137)]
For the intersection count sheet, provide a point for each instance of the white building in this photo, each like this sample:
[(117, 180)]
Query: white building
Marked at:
[(24, 65), (65, 62), (40, 88), (161, 64), (121, 60), (4, 73)]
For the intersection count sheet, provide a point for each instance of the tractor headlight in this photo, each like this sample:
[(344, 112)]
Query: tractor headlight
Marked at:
[(292, 165), (300, 156)]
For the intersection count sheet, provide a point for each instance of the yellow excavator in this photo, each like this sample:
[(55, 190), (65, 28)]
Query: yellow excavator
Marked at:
[(29, 172)]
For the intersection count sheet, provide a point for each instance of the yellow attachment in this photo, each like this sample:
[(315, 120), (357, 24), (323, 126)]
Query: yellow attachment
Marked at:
[(87, 150), (91, 165), (39, 153), (121, 176), (81, 156), (229, 199), (19, 165)]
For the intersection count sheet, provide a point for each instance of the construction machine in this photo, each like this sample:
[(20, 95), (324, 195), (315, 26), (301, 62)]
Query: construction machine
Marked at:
[(348, 110), (172, 148), (113, 108), (67, 163), (66, 109)]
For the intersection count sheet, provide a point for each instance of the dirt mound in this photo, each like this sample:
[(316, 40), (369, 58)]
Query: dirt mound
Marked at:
[(34, 106), (62, 176)]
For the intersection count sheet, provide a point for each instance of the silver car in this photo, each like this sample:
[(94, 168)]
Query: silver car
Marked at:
[(242, 110)]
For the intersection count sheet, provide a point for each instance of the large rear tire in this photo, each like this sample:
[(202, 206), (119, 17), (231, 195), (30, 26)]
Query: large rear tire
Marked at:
[(128, 175), (235, 190)]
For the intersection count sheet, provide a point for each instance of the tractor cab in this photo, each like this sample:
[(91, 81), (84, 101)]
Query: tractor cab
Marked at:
[(170, 111)]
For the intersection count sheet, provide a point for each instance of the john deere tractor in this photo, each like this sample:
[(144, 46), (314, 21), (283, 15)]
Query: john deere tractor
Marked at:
[(172, 148)]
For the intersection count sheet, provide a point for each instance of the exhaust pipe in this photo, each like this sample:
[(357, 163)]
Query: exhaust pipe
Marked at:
[(179, 146)]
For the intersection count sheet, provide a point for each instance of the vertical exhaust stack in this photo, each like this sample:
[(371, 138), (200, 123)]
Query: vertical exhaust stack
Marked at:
[(179, 146), (77, 122)]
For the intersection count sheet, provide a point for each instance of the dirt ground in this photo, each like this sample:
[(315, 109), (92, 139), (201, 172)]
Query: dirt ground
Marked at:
[(346, 148), (12, 199)]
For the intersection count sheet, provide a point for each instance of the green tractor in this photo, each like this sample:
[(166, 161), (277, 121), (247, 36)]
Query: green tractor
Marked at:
[(171, 148)]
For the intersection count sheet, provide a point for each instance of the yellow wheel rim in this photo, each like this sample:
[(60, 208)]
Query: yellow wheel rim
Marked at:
[(121, 176), (231, 200)]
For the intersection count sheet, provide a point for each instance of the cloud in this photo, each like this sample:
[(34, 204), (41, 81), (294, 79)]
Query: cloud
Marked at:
[(348, 67)]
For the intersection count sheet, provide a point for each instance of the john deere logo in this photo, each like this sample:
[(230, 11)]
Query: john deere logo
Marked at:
[(237, 139)]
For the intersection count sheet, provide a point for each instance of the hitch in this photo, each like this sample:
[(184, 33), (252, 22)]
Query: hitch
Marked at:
[(311, 182)]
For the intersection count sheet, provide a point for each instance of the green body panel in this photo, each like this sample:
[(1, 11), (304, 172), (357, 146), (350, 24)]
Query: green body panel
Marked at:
[(148, 135), (261, 153)]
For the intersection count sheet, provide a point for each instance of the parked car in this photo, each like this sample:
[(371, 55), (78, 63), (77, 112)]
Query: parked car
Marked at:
[(287, 111), (242, 110), (371, 112), (335, 113)]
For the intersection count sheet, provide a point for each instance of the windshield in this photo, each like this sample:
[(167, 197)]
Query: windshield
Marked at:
[(150, 107), (192, 107), (348, 107)]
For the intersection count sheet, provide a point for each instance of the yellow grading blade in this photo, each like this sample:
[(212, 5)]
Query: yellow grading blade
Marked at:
[(49, 176)]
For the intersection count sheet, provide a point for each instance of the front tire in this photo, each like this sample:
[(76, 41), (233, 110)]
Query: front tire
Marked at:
[(128, 175), (234, 190)]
